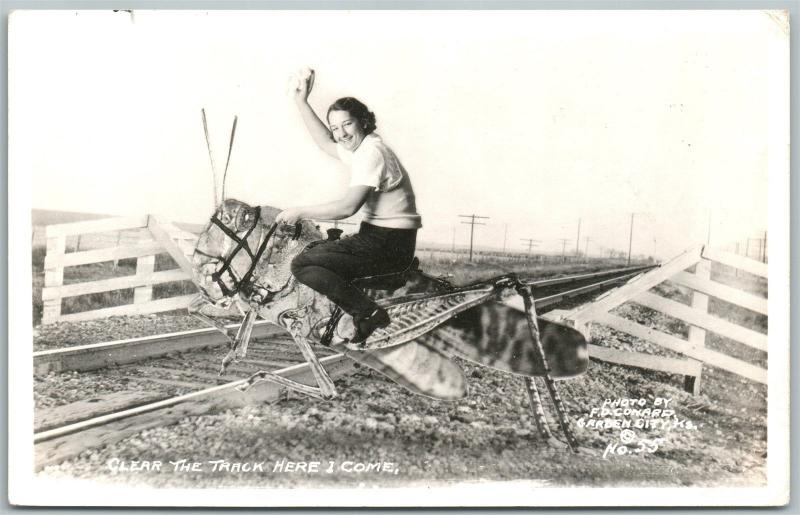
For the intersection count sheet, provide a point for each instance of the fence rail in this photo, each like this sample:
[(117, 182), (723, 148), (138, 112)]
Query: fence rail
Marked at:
[(155, 237)]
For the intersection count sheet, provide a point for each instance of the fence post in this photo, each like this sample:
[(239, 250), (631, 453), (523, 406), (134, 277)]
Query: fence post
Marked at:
[(145, 265), (116, 261), (697, 336), (54, 278)]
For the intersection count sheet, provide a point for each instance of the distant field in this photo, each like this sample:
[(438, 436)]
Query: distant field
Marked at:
[(50, 217), (40, 218)]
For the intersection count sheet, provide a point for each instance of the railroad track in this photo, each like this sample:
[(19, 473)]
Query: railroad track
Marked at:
[(155, 381)]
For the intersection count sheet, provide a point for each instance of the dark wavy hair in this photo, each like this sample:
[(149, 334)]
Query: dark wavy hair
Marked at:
[(357, 110)]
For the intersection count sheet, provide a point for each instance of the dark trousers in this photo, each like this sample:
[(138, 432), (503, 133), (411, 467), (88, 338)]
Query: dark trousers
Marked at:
[(329, 267)]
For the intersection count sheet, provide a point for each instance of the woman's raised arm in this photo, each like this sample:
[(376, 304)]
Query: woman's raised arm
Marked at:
[(318, 130)]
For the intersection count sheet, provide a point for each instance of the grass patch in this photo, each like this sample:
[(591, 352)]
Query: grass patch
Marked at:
[(173, 289), (740, 279), (88, 302), (99, 271), (164, 262)]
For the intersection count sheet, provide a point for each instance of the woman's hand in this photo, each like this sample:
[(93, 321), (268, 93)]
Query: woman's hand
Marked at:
[(289, 216), (303, 82)]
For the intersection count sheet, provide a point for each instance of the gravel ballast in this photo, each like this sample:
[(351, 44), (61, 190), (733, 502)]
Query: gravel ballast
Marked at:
[(717, 438)]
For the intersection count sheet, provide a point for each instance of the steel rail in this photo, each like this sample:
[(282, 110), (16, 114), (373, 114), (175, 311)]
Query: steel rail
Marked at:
[(543, 283), (543, 302), (558, 297), (118, 352)]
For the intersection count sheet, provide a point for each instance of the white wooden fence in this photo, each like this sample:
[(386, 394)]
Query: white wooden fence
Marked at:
[(698, 318), (156, 237)]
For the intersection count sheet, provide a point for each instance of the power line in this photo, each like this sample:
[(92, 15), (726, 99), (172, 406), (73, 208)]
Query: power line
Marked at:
[(472, 223)]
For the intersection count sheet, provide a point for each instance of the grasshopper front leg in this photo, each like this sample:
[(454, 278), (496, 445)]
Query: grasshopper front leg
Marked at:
[(238, 349), (195, 309), (293, 321)]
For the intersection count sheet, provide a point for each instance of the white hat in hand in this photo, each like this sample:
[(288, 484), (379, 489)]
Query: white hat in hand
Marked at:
[(296, 80)]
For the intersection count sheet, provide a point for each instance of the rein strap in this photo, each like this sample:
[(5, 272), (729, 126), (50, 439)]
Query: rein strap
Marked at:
[(244, 285)]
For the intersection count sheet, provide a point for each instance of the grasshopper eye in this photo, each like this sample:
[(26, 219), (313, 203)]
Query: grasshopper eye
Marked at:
[(246, 219)]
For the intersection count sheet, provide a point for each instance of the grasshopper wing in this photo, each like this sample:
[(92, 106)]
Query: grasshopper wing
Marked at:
[(418, 368), (497, 336)]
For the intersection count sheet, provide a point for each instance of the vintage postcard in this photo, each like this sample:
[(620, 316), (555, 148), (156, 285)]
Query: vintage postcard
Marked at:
[(399, 258)]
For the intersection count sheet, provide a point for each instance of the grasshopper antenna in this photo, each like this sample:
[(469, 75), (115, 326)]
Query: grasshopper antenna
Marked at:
[(211, 156), (230, 149)]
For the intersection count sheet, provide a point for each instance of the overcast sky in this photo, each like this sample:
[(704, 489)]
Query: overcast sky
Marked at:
[(534, 119)]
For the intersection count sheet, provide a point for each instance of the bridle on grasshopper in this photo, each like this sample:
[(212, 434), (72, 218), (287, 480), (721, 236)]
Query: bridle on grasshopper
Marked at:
[(245, 285)]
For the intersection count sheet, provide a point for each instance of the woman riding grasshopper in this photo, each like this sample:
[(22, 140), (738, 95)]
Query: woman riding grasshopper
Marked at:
[(287, 276), (379, 187)]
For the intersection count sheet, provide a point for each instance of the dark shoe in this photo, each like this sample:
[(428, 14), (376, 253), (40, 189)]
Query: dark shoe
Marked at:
[(367, 325)]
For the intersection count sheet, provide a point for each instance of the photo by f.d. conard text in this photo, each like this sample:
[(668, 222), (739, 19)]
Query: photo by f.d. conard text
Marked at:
[(279, 466), (643, 424)]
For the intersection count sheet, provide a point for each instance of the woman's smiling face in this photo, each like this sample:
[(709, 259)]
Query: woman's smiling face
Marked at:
[(345, 129)]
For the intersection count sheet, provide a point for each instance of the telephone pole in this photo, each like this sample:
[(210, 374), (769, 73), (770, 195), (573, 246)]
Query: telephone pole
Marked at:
[(472, 223), (630, 241), (505, 235), (563, 248), (578, 239), (531, 244), (586, 248)]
